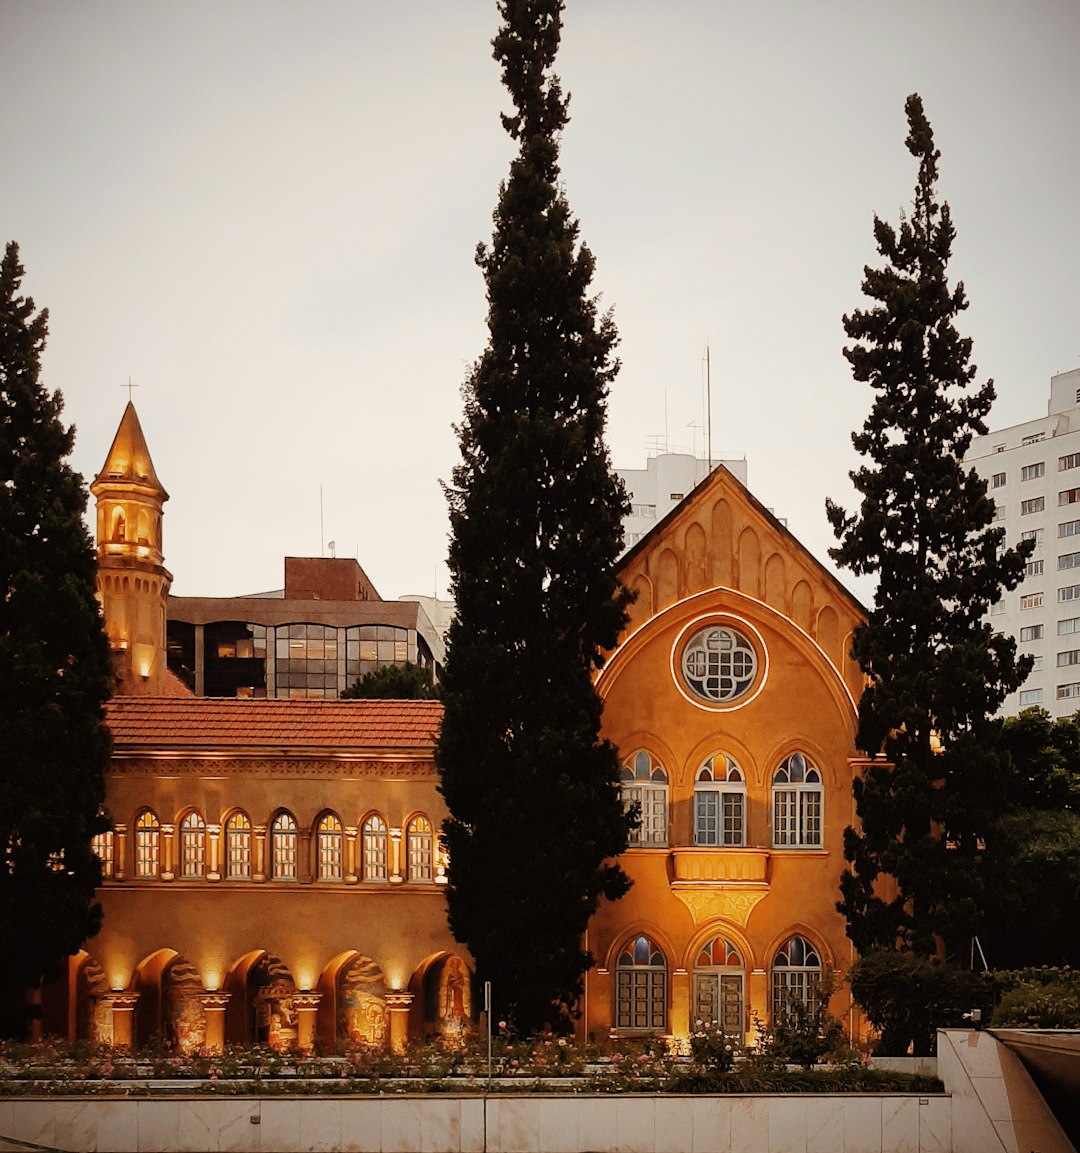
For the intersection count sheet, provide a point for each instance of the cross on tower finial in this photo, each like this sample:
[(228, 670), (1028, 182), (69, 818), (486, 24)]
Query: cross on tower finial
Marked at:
[(129, 386)]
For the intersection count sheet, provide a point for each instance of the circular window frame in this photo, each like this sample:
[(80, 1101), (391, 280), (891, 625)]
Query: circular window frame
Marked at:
[(738, 625)]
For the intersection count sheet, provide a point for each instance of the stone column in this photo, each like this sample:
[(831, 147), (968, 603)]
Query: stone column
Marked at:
[(258, 854), (120, 838), (307, 1008), (214, 1005), (395, 856), (399, 1019), (168, 852), (303, 856), (122, 1005), (351, 871), (213, 852), (679, 1025)]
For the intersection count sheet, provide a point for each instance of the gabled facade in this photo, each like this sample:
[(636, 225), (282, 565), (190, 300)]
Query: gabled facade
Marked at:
[(732, 699)]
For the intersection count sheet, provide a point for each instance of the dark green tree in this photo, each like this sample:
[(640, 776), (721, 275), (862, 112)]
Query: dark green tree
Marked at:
[(55, 673), (407, 682), (535, 511), (937, 671)]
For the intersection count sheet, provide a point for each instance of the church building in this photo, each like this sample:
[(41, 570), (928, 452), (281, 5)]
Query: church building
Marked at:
[(275, 871)]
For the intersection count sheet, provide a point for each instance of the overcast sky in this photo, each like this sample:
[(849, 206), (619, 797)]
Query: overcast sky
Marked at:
[(264, 213)]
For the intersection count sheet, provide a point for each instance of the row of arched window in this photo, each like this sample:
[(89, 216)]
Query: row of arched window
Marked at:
[(720, 802), (238, 851), (719, 980)]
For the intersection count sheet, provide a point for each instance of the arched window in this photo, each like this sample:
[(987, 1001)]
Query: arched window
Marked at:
[(719, 803), (418, 848), (797, 798), (283, 847), (238, 847), (641, 986), (103, 844), (329, 842), (373, 846), (192, 845), (147, 845), (796, 979), (718, 986), (119, 528), (645, 782)]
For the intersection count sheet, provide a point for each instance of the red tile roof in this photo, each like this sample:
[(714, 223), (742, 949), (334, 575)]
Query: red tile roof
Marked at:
[(213, 722)]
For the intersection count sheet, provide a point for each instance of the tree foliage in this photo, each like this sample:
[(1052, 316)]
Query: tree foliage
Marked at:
[(407, 682), (55, 670), (937, 671), (535, 511)]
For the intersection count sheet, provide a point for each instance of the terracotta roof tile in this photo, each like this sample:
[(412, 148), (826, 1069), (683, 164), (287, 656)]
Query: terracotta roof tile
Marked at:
[(216, 722)]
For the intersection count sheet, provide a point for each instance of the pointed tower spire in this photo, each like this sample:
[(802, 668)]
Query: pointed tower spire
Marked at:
[(133, 583)]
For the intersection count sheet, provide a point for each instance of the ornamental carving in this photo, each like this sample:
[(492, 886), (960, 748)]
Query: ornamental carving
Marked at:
[(240, 766), (706, 904)]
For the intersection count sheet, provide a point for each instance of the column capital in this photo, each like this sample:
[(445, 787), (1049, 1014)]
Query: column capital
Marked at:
[(215, 1000), (121, 1000), (306, 1001), (400, 1001)]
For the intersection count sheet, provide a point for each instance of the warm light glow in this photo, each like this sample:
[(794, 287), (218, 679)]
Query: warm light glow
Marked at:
[(395, 976), (305, 979), (213, 980)]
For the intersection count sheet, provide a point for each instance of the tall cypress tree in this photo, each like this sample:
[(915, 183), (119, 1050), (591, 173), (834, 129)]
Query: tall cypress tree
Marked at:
[(937, 671), (536, 513), (55, 672)]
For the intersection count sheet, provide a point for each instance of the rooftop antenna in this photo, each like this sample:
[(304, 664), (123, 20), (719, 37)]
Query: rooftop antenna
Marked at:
[(667, 446), (322, 531), (708, 406)]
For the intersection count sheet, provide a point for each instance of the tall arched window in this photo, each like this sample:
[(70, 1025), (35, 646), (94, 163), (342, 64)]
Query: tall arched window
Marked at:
[(718, 986), (645, 782), (147, 845), (329, 843), (373, 849), (418, 846), (192, 845), (641, 986), (797, 797), (103, 844), (796, 979), (238, 847), (283, 847), (719, 803)]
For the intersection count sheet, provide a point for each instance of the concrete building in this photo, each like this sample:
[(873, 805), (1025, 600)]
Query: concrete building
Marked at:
[(656, 489), (1033, 473)]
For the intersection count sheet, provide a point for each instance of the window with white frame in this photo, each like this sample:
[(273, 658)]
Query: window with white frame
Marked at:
[(373, 849), (719, 803), (1065, 627), (104, 846), (329, 843), (1038, 662), (192, 845), (719, 664), (284, 847), (1033, 471), (1068, 657), (997, 480), (147, 845), (1038, 535), (999, 510), (1034, 568), (1032, 697), (641, 986), (796, 978), (1033, 632), (238, 847), (718, 988), (1066, 528), (797, 803), (1031, 601), (1069, 560), (1070, 460), (1035, 504), (1068, 593), (1069, 496), (1064, 692), (645, 783), (418, 849)]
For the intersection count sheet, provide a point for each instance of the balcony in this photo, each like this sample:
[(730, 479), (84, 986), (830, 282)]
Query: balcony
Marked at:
[(720, 882)]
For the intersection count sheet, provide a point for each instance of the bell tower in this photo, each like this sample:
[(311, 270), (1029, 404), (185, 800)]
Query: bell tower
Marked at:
[(133, 583)]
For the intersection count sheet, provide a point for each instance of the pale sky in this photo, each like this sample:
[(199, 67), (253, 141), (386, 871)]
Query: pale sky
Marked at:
[(265, 212)]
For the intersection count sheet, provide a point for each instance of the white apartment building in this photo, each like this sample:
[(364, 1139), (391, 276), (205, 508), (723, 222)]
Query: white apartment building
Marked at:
[(1033, 472), (664, 481)]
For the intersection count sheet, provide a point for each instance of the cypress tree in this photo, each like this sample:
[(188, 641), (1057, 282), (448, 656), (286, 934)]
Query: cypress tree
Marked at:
[(937, 671), (55, 672), (536, 526)]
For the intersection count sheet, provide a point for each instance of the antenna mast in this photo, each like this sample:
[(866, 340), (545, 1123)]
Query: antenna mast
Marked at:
[(708, 406)]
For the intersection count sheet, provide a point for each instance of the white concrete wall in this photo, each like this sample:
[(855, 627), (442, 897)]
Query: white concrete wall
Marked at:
[(520, 1123)]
